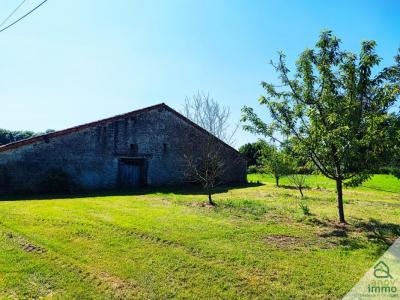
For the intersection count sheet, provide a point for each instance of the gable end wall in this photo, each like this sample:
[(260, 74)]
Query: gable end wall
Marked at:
[(91, 156)]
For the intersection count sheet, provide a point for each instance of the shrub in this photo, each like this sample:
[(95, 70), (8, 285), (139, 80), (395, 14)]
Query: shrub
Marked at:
[(255, 169), (305, 209), (385, 170), (249, 208)]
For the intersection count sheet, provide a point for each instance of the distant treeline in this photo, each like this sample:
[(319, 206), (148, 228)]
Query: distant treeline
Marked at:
[(263, 157), (10, 136)]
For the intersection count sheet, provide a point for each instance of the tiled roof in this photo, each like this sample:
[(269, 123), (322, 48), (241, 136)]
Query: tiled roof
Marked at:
[(54, 134)]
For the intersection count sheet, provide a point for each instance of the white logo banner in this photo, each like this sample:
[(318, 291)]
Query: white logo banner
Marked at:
[(382, 281)]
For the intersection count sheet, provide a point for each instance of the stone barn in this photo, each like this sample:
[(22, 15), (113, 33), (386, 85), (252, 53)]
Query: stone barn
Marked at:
[(143, 147)]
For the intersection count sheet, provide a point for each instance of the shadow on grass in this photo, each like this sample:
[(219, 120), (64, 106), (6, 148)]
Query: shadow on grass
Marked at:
[(382, 234), (335, 233), (379, 189), (385, 233), (292, 187), (177, 190)]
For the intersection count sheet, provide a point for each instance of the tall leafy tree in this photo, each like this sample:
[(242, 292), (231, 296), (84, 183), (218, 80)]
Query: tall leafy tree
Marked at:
[(252, 151), (336, 110), (393, 154)]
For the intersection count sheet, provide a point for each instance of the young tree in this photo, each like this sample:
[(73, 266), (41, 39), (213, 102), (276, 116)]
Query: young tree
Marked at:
[(209, 162), (335, 110), (299, 181), (275, 162), (206, 167)]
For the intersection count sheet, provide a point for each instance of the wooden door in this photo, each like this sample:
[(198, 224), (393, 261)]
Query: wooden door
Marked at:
[(130, 174)]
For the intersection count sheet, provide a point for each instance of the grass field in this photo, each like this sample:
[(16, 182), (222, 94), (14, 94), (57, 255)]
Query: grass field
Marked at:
[(257, 242)]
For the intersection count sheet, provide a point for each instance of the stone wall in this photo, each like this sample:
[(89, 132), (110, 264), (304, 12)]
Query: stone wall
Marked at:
[(91, 156)]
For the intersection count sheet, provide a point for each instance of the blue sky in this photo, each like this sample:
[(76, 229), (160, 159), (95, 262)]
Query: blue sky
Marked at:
[(74, 61)]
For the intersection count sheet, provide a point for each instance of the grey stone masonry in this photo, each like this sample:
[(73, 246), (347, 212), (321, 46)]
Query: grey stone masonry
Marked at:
[(98, 155)]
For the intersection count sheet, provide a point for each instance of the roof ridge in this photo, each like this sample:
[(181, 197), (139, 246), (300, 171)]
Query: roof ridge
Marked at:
[(62, 132)]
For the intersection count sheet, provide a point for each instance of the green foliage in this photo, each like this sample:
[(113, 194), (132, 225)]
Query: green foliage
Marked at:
[(305, 209), (254, 169), (253, 151), (393, 153), (378, 182), (396, 172), (276, 162), (335, 110), (242, 208), (7, 136)]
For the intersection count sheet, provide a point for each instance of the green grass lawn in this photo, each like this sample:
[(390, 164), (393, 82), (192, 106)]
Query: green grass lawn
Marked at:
[(167, 243)]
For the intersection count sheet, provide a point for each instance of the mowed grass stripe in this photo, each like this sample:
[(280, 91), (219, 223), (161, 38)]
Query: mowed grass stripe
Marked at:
[(31, 274), (104, 283), (179, 258), (272, 270), (255, 244)]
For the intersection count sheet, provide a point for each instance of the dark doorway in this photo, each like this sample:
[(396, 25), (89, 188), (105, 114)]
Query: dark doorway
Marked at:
[(132, 172)]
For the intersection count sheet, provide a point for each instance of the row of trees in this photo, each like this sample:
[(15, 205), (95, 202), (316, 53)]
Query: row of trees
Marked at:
[(263, 157), (10, 136), (267, 158), (337, 111)]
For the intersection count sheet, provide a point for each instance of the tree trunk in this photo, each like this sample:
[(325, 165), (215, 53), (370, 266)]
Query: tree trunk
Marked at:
[(301, 192), (339, 190), (210, 201), (277, 180)]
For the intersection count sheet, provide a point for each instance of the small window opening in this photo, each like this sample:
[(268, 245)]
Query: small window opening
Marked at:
[(133, 149), (165, 147)]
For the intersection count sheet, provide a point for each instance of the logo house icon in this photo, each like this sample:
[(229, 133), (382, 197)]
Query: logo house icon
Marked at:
[(381, 270), (382, 280)]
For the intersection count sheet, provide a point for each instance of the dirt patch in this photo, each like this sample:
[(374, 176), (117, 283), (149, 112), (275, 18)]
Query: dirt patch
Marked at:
[(284, 240), (32, 248), (114, 281), (321, 189), (355, 231), (26, 246), (294, 242), (122, 289), (201, 204)]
